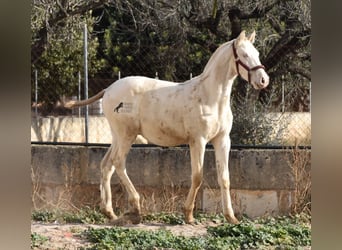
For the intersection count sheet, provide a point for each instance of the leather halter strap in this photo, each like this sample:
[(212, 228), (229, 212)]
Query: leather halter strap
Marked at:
[(239, 62)]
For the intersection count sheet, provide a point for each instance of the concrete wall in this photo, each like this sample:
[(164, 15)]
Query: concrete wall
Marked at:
[(262, 181)]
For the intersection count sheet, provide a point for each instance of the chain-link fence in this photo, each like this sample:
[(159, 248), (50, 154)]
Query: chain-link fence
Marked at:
[(279, 116)]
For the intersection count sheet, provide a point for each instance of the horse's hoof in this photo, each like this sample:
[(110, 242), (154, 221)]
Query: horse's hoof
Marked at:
[(127, 218), (109, 214), (233, 220), (133, 217), (191, 222), (188, 216), (119, 222)]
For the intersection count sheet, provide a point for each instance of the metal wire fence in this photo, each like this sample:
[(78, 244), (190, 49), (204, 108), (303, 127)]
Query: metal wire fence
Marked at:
[(284, 119)]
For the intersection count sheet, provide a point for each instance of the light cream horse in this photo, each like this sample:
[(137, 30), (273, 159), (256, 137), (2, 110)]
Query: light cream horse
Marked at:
[(166, 113)]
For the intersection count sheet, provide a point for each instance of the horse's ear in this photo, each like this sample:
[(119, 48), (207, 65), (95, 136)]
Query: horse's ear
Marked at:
[(241, 37), (252, 37)]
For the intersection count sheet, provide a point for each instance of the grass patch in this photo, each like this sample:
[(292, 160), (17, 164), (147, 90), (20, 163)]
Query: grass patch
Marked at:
[(178, 219), (167, 218), (280, 232), (83, 216), (269, 233), (37, 240), (285, 232), (123, 238)]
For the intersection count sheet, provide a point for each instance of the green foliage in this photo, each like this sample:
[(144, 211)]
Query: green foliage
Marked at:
[(250, 125), (139, 37), (59, 66), (178, 219), (37, 240), (84, 216), (43, 216), (167, 218), (121, 238), (280, 232), (63, 56), (283, 232), (140, 48), (216, 218)]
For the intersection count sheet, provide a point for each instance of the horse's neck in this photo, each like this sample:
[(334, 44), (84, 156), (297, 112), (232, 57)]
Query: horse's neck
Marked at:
[(218, 75)]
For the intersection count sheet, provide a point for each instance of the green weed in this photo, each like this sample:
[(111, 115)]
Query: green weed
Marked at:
[(283, 232), (83, 216), (167, 218), (37, 240), (121, 238), (43, 216), (274, 233)]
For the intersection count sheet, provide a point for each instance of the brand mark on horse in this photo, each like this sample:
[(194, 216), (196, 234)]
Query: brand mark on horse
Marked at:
[(124, 107)]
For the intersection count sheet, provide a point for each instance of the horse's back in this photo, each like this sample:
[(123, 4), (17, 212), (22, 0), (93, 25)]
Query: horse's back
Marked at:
[(147, 106)]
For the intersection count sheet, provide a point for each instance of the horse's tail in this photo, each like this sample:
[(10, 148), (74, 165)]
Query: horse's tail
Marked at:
[(73, 104)]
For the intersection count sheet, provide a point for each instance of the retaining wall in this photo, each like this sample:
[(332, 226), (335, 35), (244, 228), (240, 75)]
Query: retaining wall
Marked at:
[(262, 181)]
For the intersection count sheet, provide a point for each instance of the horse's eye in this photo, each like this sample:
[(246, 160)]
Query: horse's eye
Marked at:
[(245, 55)]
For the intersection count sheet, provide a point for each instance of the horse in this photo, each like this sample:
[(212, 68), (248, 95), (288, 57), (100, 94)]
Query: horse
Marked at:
[(194, 112)]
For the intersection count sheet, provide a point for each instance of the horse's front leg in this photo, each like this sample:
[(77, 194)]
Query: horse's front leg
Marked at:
[(197, 150), (222, 148)]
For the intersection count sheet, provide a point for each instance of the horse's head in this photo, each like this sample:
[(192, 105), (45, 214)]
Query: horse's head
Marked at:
[(247, 61)]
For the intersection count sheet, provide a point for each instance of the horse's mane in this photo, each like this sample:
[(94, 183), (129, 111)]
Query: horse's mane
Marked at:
[(210, 63), (214, 56)]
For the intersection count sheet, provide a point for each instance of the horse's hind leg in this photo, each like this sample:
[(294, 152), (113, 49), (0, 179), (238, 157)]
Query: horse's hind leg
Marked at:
[(107, 170), (133, 215)]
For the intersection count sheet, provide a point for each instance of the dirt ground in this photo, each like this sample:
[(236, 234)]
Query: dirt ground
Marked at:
[(68, 236)]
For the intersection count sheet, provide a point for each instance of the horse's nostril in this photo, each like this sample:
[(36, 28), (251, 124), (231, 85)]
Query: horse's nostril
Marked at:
[(262, 80)]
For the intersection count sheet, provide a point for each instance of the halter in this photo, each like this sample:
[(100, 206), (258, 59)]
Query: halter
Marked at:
[(249, 70)]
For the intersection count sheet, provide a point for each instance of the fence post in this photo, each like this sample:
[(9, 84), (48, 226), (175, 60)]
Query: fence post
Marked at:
[(282, 95), (79, 92), (36, 91), (85, 46), (310, 97)]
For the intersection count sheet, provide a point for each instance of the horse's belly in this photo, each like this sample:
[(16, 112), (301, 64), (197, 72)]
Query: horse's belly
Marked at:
[(163, 135)]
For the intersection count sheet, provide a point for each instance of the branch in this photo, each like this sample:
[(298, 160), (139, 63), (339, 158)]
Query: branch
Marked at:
[(235, 15), (258, 12), (301, 71), (275, 24), (210, 22), (92, 5), (61, 8), (205, 44), (288, 43)]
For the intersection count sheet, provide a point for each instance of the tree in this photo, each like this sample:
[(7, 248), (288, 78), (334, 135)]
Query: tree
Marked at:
[(284, 28), (181, 34), (57, 46), (177, 37), (145, 37), (49, 16)]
